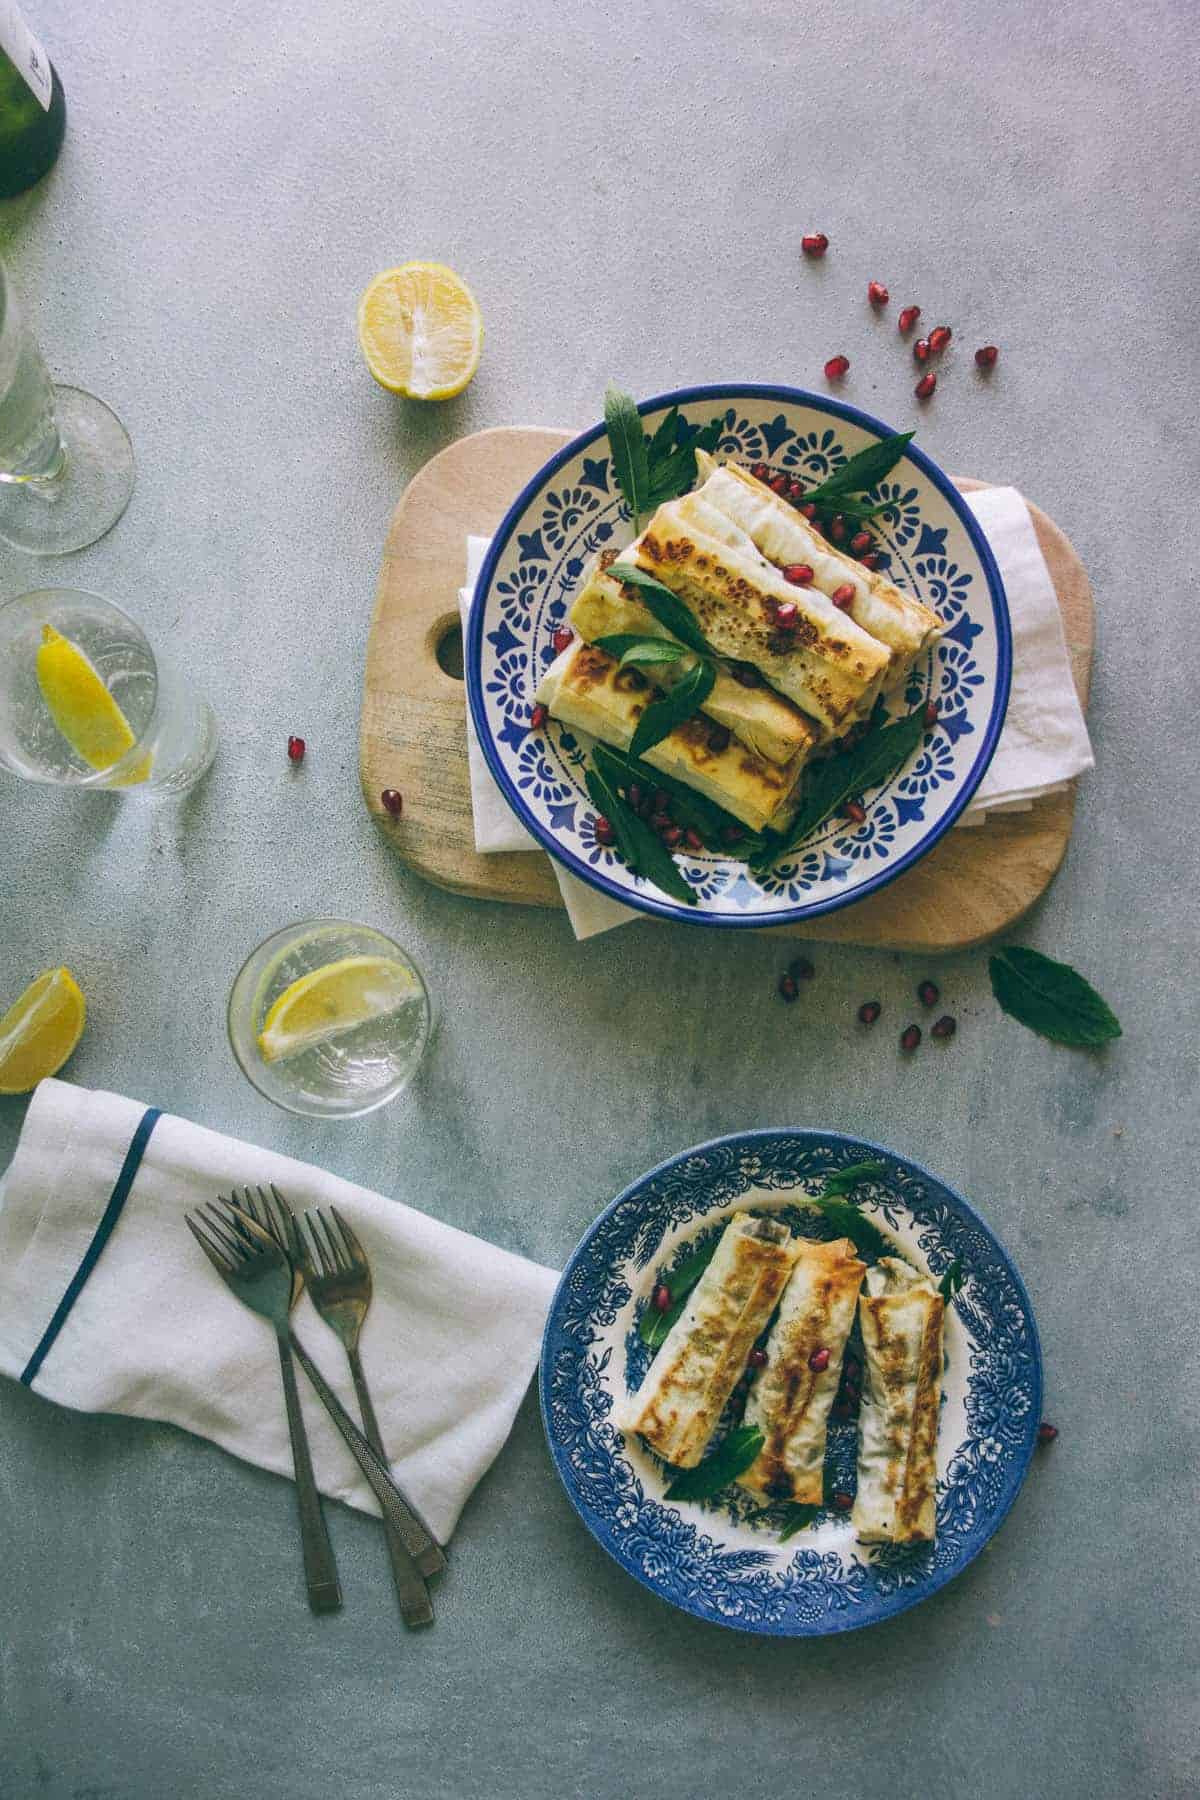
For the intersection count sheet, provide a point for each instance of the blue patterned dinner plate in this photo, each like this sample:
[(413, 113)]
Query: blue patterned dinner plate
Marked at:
[(722, 1559), (934, 548)]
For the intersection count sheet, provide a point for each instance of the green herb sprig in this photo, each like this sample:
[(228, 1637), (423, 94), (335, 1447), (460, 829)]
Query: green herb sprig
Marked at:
[(1051, 998), (649, 471), (952, 1281), (630, 649), (839, 1209), (731, 1459), (667, 607), (675, 708), (690, 808), (885, 749), (795, 1518), (654, 1326), (641, 848), (860, 472)]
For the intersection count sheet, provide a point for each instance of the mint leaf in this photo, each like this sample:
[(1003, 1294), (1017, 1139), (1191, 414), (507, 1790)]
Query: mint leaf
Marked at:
[(689, 807), (667, 607), (641, 848), (863, 470), (844, 1181), (1051, 998), (654, 1326), (627, 441), (885, 749), (848, 1221), (629, 647), (951, 1281), (662, 716), (729, 1460), (795, 1518)]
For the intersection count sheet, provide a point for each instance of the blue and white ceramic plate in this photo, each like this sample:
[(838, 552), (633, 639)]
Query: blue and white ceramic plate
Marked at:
[(572, 509), (722, 1559)]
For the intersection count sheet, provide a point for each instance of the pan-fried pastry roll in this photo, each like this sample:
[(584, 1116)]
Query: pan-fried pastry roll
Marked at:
[(760, 718), (901, 1314), (585, 688), (791, 1398), (783, 536), (677, 1407), (826, 664)]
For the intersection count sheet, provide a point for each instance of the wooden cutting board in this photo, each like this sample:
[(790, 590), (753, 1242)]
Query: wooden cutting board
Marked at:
[(976, 882)]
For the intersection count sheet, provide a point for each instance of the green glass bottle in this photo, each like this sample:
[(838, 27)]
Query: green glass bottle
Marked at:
[(33, 113)]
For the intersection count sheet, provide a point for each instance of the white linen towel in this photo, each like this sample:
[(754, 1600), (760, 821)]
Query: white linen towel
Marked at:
[(110, 1306), (1043, 746)]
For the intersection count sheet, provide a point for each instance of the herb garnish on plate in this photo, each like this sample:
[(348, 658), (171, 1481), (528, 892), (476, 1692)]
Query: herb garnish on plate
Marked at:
[(731, 1459)]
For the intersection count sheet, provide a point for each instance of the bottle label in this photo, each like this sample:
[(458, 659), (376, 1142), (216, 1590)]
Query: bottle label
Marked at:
[(26, 54)]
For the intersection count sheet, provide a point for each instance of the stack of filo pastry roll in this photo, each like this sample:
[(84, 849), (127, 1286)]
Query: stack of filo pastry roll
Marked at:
[(781, 694), (759, 1266)]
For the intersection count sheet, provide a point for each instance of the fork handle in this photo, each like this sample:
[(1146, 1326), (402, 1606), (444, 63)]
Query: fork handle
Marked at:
[(320, 1569), (416, 1607), (414, 1533)]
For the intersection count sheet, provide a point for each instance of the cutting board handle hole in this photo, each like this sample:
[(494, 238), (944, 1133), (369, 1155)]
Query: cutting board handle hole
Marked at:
[(446, 639)]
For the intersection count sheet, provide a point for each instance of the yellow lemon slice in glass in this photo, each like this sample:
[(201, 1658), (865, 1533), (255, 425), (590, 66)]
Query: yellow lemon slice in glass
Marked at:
[(420, 331), (82, 707), (331, 1000), (40, 1031)]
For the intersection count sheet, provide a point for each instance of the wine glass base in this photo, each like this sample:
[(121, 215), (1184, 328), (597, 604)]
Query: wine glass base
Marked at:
[(51, 519)]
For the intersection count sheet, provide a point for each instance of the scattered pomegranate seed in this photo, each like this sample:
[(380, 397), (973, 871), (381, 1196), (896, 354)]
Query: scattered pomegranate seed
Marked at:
[(747, 674), (692, 838), (788, 989), (836, 367), (837, 528), (393, 801), (800, 969), (870, 560), (855, 811), (778, 484), (603, 829), (1046, 1433), (843, 596), (925, 386), (732, 834), (718, 738), (809, 509), (795, 490), (908, 318), (538, 717), (818, 1360), (928, 993), (671, 836), (799, 574), (946, 1027), (921, 350), (939, 337), (862, 540), (757, 1359), (562, 640), (787, 615), (843, 1502), (910, 1037), (985, 356), (931, 713), (296, 749), (814, 243), (635, 794), (660, 1299), (877, 294), (660, 822), (761, 472), (869, 1011)]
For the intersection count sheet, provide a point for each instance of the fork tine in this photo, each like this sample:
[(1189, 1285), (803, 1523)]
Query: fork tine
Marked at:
[(235, 1216), (310, 1245), (246, 1200), (215, 1256), (354, 1250), (224, 1228), (332, 1243), (288, 1217)]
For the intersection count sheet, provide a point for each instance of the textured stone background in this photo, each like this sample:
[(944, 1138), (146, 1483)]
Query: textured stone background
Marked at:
[(625, 189)]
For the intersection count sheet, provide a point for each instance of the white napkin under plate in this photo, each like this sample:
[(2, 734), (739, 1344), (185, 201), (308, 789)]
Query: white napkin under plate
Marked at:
[(108, 1305), (1043, 746)]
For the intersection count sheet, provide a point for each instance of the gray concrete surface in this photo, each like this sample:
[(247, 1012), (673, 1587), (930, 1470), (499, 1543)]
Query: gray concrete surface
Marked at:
[(625, 188)]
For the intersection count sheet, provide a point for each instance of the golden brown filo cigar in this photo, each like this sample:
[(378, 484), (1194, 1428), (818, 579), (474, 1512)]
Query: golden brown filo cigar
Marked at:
[(901, 1315), (792, 1396), (677, 1407)]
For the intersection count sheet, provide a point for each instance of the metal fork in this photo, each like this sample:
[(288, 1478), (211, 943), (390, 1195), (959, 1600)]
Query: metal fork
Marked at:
[(396, 1507), (338, 1277), (259, 1274)]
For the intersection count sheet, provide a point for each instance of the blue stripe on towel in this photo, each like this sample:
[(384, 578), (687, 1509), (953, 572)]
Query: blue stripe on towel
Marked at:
[(104, 1230)]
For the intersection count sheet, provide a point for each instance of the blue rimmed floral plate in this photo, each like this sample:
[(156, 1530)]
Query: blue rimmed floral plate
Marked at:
[(933, 548), (723, 1559)]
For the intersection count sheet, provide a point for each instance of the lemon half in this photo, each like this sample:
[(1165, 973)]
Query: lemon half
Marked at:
[(82, 707), (39, 1032), (331, 1000), (421, 331)]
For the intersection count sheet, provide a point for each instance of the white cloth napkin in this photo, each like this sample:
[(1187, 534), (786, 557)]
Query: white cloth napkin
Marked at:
[(449, 1343), (1043, 746)]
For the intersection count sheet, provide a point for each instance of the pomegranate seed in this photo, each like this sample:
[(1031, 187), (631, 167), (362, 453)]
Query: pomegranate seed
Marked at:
[(928, 993), (870, 561), (910, 1037), (787, 615), (747, 674), (877, 294), (718, 738), (778, 484), (800, 969), (855, 811), (646, 809), (296, 749), (787, 988), (836, 367), (837, 529), (795, 489), (662, 800), (672, 835), (843, 1502), (660, 822), (985, 356), (732, 834), (809, 509), (393, 801), (843, 597), (946, 1027), (925, 386), (761, 472), (921, 350), (660, 1299), (562, 639), (799, 574), (635, 795), (692, 838), (862, 540), (939, 337), (931, 714), (538, 717), (818, 1360), (908, 318), (1046, 1433), (869, 1011), (603, 829), (814, 243), (757, 1359)]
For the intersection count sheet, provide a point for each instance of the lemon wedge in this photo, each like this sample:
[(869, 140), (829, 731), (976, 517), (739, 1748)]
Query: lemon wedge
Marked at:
[(82, 707), (331, 1000), (421, 331), (40, 1031)]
